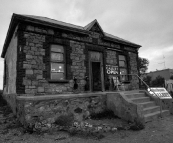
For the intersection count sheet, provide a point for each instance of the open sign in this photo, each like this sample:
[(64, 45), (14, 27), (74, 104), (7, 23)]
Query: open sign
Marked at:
[(110, 69)]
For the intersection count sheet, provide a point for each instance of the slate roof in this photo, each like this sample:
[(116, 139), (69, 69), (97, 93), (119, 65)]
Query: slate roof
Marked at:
[(54, 21), (59, 24), (87, 27)]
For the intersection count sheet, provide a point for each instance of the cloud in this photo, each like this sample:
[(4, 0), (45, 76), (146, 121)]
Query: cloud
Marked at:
[(145, 22), (161, 55)]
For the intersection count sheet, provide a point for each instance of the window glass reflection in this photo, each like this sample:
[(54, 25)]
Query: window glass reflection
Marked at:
[(57, 67), (57, 56)]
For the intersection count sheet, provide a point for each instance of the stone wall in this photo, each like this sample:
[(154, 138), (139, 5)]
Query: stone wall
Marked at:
[(111, 57), (43, 111), (33, 64), (133, 70), (33, 67), (78, 68)]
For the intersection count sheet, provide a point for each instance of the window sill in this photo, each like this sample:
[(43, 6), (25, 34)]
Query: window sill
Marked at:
[(58, 81)]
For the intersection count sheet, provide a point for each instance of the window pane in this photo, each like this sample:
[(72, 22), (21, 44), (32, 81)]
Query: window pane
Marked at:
[(57, 67), (123, 71), (122, 64), (122, 58), (123, 77), (58, 76), (57, 48), (57, 56)]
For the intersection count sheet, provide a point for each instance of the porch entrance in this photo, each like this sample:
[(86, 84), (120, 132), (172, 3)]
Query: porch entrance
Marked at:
[(96, 71)]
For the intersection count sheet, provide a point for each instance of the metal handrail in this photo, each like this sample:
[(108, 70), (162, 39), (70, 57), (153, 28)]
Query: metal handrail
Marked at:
[(149, 90)]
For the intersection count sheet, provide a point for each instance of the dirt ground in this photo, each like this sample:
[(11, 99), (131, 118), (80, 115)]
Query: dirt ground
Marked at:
[(158, 131)]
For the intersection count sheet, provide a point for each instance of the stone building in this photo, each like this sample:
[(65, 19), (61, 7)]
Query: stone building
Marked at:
[(55, 70), (46, 56)]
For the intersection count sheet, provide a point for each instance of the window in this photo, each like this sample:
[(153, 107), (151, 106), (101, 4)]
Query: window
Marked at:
[(123, 73), (57, 62), (122, 61), (123, 67)]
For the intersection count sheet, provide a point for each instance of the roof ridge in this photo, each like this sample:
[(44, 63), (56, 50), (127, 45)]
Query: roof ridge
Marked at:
[(118, 38), (33, 16), (90, 24)]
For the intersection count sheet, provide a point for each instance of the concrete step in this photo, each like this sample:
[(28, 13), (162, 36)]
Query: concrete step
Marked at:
[(135, 95), (155, 115), (148, 104), (140, 99), (151, 109)]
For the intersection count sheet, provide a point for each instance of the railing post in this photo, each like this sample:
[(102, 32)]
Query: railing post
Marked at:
[(160, 108)]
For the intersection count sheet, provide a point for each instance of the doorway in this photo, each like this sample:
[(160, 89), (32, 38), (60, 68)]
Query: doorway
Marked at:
[(96, 71), (96, 74)]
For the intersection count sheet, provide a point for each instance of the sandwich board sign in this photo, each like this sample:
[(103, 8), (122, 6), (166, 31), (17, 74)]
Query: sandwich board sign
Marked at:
[(162, 93)]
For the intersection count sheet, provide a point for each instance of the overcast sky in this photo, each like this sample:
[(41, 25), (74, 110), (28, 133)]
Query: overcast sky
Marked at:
[(145, 22)]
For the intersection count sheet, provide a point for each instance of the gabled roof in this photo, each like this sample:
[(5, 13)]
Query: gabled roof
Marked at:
[(90, 25), (16, 18)]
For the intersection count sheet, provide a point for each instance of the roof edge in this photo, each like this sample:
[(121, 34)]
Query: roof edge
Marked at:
[(42, 22), (11, 26), (16, 17), (121, 41)]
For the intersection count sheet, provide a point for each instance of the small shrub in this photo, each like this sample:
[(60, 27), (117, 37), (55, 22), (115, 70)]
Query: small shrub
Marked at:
[(107, 114), (65, 120), (138, 124)]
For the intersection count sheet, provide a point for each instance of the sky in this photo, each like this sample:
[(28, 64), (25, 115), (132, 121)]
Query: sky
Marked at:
[(148, 23)]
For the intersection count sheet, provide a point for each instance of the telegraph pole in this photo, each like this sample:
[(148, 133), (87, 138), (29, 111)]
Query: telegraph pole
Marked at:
[(163, 62)]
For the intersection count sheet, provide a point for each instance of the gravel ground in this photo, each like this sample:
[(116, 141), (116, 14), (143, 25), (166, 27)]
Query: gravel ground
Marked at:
[(158, 131)]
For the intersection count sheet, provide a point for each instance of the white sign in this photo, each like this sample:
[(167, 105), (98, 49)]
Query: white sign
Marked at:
[(110, 69), (162, 93)]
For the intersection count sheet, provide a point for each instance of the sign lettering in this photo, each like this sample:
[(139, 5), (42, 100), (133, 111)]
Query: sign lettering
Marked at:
[(110, 69), (162, 93)]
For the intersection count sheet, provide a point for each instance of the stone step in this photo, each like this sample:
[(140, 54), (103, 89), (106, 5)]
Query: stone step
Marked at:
[(140, 99), (151, 109), (135, 95), (148, 104), (155, 115)]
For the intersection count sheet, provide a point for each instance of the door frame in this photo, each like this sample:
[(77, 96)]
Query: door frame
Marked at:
[(101, 69)]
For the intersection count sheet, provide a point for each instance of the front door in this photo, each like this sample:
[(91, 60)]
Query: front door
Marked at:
[(96, 76), (96, 71)]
